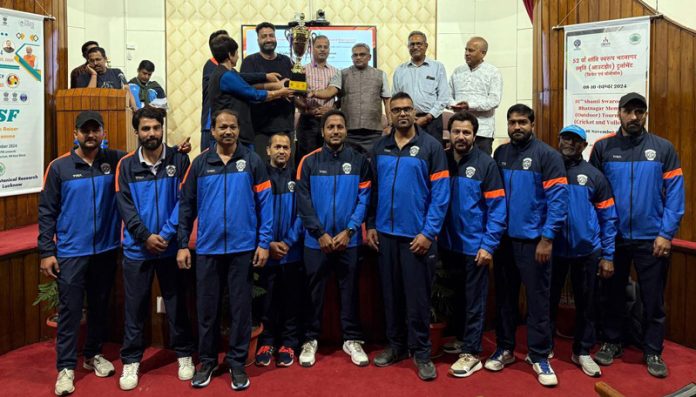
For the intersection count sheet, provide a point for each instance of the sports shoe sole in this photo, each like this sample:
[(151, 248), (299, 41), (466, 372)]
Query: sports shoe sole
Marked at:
[(242, 387), (284, 365), (356, 362), (120, 386), (65, 393), (262, 364), (98, 374), (590, 374), (207, 381), (473, 369), (308, 364)]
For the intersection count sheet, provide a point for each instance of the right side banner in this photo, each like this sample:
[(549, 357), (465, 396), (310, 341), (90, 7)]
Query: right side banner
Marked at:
[(603, 61)]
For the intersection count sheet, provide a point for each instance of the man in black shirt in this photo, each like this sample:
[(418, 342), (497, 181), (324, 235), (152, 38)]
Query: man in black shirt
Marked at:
[(102, 76), (279, 115)]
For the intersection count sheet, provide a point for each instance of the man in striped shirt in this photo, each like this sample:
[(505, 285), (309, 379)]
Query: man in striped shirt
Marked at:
[(319, 74)]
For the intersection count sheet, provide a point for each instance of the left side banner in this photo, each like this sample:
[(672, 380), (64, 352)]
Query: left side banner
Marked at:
[(21, 102)]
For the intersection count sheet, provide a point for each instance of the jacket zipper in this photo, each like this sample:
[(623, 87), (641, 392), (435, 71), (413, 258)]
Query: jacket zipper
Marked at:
[(630, 205), (396, 169), (157, 206), (224, 207), (94, 209)]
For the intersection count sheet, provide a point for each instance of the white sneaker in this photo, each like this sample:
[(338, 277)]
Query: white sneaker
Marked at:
[(587, 364), (354, 349), (64, 383), (465, 366), (545, 374), (309, 351), (529, 361), (129, 376), (499, 359), (101, 366), (186, 368)]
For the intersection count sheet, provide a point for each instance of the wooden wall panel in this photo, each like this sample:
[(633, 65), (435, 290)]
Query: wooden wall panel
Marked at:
[(672, 114)]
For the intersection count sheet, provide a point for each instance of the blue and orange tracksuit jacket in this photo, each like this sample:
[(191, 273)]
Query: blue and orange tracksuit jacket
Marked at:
[(78, 206), (476, 216), (648, 184), (287, 225), (591, 223), (149, 203), (412, 189), (233, 203), (333, 193), (536, 189)]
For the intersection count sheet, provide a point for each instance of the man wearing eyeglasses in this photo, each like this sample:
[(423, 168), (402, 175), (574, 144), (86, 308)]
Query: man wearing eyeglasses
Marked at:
[(425, 80), (361, 88)]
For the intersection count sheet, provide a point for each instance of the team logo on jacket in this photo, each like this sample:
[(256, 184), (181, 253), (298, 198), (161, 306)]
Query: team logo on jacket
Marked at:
[(526, 163), (346, 168), (413, 151), (291, 186), (470, 171), (171, 170), (105, 168), (650, 154), (241, 165), (582, 179)]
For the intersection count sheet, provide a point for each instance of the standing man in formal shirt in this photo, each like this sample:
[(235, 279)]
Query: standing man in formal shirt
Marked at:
[(646, 177), (82, 69), (319, 74), (363, 89), (478, 87), (278, 115), (425, 80)]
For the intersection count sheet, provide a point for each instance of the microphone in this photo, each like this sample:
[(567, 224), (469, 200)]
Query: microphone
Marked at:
[(122, 78)]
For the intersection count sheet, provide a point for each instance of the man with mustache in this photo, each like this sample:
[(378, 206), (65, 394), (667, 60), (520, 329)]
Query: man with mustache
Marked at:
[(102, 76), (147, 190), (646, 177), (82, 69), (274, 116)]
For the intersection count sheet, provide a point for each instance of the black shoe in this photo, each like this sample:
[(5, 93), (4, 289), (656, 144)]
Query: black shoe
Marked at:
[(203, 374), (426, 369), (240, 380), (656, 367), (607, 353), (389, 356)]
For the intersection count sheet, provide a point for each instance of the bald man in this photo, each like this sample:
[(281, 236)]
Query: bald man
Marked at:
[(477, 87)]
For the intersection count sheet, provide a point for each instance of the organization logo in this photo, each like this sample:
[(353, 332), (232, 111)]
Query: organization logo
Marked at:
[(577, 43), (171, 170), (634, 38), (14, 97), (23, 97), (346, 168), (526, 163), (413, 151), (470, 171), (105, 168), (6, 96), (241, 165), (291, 186), (2, 169), (650, 154), (34, 37), (8, 115), (4, 20), (12, 80), (582, 179), (606, 42), (20, 36)]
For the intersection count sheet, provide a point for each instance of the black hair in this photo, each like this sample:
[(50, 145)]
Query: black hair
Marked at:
[(87, 44), (463, 115), (522, 109), (148, 112), (332, 112), (265, 25), (214, 35), (281, 134), (217, 113), (96, 49), (222, 47), (147, 66), (401, 95)]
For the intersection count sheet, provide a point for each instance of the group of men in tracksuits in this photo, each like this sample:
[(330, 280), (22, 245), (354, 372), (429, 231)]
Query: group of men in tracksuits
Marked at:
[(537, 212)]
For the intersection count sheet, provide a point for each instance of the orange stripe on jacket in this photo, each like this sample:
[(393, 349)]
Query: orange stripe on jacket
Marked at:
[(49, 167), (605, 204), (439, 175), (556, 181), (181, 184), (365, 185), (672, 174), (262, 186), (299, 167), (118, 169), (494, 193)]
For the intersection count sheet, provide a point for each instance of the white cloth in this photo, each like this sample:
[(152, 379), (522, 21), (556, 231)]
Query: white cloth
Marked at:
[(482, 89)]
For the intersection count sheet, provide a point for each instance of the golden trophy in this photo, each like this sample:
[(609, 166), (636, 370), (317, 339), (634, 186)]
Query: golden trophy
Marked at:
[(298, 37)]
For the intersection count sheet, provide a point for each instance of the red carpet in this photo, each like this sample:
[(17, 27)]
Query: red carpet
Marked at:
[(29, 371)]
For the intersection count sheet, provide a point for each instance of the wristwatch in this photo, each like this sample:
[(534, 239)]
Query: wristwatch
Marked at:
[(350, 231)]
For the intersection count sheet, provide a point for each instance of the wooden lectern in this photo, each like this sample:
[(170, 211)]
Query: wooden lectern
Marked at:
[(111, 103)]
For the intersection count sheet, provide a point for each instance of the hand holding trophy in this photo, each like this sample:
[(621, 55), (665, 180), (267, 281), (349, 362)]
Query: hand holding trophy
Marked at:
[(298, 37)]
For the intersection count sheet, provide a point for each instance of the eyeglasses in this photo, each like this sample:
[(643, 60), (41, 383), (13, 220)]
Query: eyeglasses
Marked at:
[(397, 111)]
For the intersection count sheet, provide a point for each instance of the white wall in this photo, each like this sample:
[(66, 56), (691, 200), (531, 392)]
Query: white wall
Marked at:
[(680, 11), (508, 30), (129, 31)]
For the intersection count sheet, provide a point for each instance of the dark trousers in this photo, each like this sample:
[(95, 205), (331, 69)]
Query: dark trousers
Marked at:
[(470, 292), (280, 305), (652, 276), (318, 267), (93, 275), (363, 139), (406, 286), (214, 272), (583, 276), (485, 144), (434, 127), (309, 136), (515, 263), (137, 287)]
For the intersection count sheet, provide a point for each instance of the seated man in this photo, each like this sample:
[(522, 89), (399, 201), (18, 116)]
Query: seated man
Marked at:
[(144, 85)]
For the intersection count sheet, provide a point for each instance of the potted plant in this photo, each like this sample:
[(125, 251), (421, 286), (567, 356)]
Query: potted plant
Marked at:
[(441, 308)]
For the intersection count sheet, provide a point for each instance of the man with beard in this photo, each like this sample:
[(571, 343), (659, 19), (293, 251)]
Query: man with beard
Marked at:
[(585, 244), (147, 190), (227, 189), (536, 190), (278, 115), (82, 69), (471, 233), (319, 73), (333, 192), (79, 236), (406, 215), (635, 160), (102, 76), (425, 80)]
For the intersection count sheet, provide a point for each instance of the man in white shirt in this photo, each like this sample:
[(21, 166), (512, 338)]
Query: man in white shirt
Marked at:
[(478, 87)]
